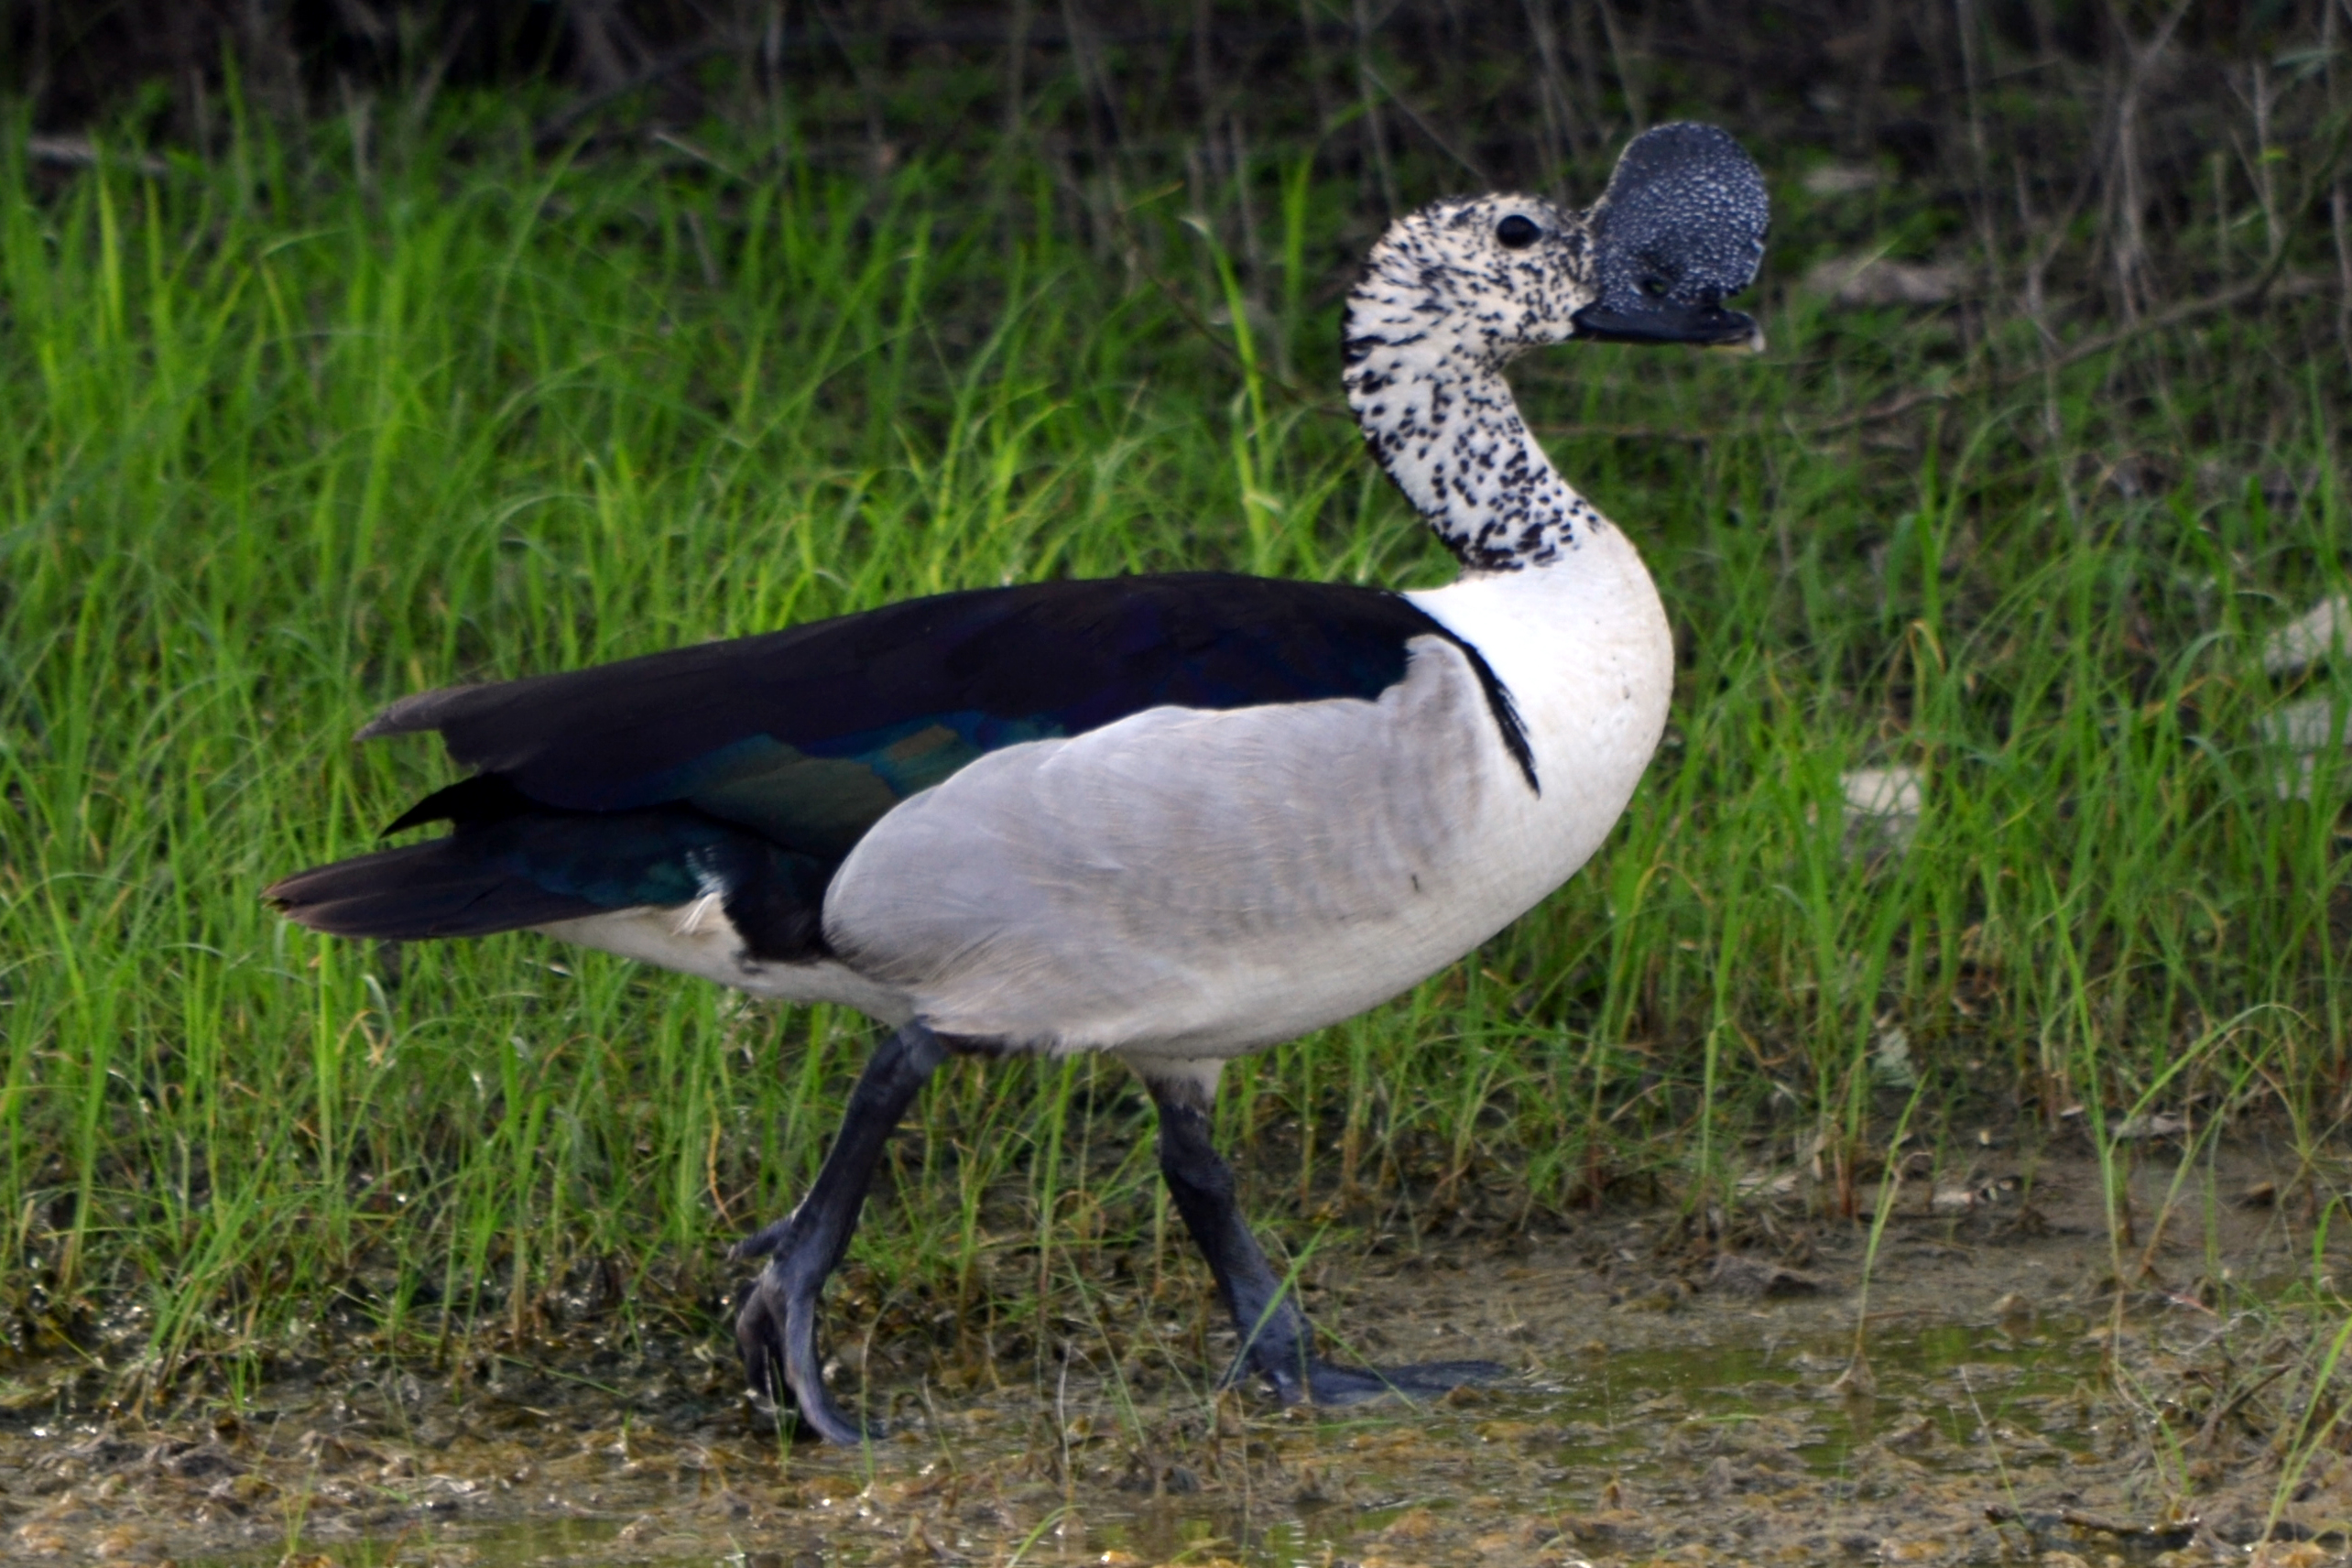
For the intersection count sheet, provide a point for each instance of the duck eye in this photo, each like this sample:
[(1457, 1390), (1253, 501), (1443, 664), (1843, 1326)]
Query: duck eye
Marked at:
[(1517, 232)]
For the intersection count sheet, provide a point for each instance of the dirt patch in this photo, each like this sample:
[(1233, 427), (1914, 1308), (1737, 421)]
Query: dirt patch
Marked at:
[(1675, 1397)]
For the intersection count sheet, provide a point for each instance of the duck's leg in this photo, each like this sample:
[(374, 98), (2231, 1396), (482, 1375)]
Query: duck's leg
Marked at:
[(777, 1329), (1275, 1338)]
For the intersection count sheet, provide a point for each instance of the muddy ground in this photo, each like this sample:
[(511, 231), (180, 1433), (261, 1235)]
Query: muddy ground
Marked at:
[(1676, 1398)]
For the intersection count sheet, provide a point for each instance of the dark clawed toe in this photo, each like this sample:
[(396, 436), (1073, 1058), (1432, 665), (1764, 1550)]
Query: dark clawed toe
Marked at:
[(776, 1333), (759, 1340), (1329, 1385)]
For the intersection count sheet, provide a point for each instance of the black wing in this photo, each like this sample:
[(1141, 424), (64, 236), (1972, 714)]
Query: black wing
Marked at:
[(749, 768)]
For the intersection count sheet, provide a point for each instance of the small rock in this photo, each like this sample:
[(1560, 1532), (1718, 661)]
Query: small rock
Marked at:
[(2320, 632), (2292, 1554), (1890, 1059), (199, 1462), (1857, 1382), (330, 1451), (1670, 1297), (2308, 725), (1915, 1433), (125, 1544), (1841, 179), (1953, 1199), (1883, 807), (1736, 1275), (1413, 1525), (1877, 280), (2296, 779), (2303, 731), (2140, 1128)]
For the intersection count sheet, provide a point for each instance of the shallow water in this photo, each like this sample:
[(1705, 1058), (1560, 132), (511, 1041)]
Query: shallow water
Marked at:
[(2008, 1406), (1736, 1448)]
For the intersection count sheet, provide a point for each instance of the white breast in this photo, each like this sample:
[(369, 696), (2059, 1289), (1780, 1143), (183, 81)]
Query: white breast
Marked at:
[(1586, 652), (1188, 883)]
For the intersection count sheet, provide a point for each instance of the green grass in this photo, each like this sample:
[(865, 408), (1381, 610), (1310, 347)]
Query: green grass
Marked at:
[(287, 436)]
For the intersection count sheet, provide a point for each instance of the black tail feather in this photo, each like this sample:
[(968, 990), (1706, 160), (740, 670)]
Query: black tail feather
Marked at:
[(420, 890)]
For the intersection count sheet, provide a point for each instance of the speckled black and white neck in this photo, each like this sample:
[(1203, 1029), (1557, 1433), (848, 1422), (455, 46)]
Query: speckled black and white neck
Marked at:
[(1455, 292), (1447, 301)]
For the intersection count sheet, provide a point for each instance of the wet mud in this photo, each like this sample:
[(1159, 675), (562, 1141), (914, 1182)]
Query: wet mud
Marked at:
[(2028, 1388)]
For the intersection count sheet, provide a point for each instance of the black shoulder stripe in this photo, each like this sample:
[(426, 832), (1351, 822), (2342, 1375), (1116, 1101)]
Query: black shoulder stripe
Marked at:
[(1500, 703)]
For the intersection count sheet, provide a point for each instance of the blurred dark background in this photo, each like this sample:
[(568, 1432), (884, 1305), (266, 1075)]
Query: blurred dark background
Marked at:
[(2091, 136)]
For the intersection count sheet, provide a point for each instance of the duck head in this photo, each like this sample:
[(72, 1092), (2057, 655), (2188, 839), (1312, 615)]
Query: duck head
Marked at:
[(1483, 278), (1456, 291)]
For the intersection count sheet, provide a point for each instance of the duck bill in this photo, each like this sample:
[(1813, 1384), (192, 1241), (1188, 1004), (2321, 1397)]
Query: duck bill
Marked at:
[(1709, 326)]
